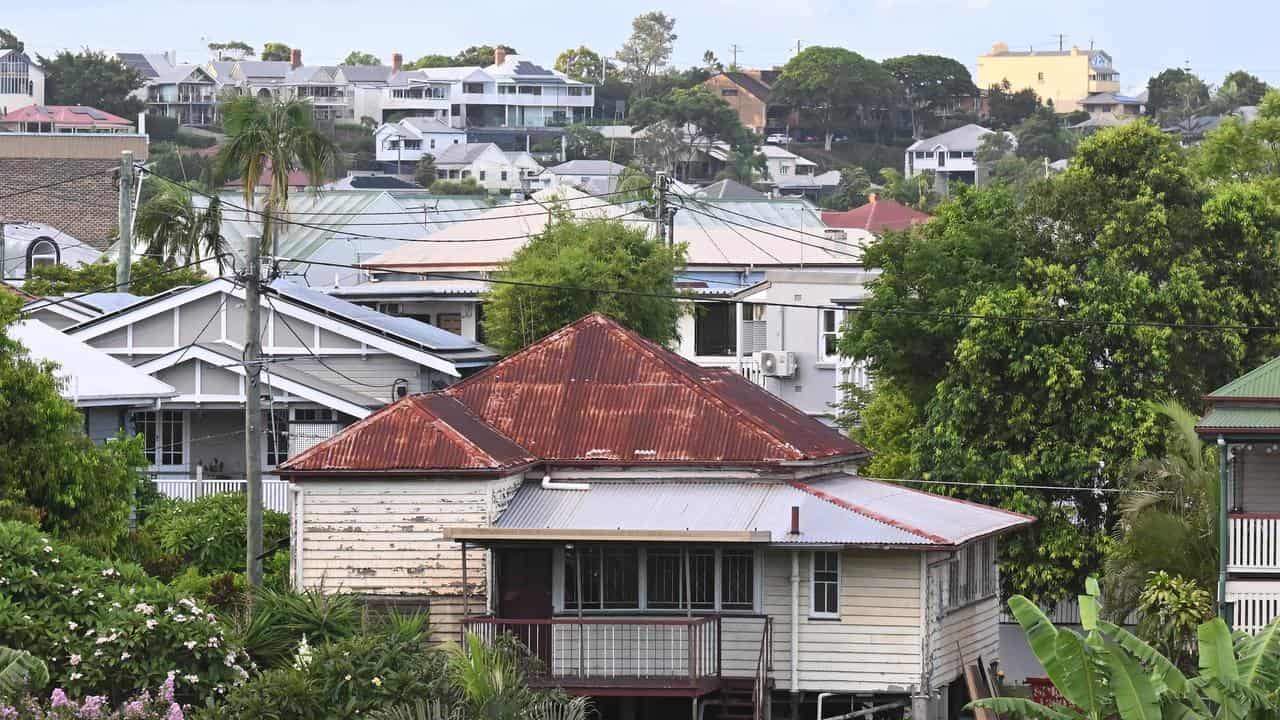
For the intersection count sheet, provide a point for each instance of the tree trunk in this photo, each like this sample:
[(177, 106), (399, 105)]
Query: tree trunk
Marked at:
[(827, 144)]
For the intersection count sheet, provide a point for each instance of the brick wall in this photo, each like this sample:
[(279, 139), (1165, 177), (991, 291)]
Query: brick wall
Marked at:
[(84, 208)]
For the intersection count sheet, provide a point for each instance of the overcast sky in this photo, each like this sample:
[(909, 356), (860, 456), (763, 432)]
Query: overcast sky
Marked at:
[(1143, 36)]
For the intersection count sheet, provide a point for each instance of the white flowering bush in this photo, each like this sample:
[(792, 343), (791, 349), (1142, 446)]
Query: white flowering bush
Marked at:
[(162, 705), (108, 629)]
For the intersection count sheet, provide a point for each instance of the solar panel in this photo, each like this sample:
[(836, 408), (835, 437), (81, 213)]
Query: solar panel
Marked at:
[(96, 114), (408, 328)]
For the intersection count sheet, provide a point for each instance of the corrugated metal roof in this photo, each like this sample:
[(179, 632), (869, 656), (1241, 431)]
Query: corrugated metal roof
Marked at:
[(1241, 418), (87, 375), (1261, 382), (595, 393), (422, 433), (840, 509)]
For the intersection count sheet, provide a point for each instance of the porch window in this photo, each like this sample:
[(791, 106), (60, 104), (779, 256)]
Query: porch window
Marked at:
[(452, 322), (713, 329), (655, 579), (610, 578), (826, 584), (473, 88), (162, 436), (666, 579), (314, 415), (972, 575), (737, 580), (829, 335)]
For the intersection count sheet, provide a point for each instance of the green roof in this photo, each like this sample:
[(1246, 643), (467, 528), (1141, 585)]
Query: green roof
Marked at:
[(1261, 382), (1241, 418)]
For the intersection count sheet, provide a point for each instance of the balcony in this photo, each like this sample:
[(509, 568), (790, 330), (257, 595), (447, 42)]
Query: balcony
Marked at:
[(1254, 543), (275, 493), (616, 656)]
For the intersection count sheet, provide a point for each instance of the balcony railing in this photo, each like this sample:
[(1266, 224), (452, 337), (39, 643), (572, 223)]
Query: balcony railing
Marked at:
[(275, 493), (603, 652), (1254, 543)]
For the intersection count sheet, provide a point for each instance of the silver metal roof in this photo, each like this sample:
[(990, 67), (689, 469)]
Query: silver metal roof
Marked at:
[(839, 509)]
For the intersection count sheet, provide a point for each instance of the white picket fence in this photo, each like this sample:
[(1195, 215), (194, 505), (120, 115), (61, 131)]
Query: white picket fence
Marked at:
[(275, 493)]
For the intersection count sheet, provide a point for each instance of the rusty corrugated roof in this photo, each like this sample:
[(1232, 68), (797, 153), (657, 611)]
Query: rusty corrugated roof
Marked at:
[(590, 393), (420, 433)]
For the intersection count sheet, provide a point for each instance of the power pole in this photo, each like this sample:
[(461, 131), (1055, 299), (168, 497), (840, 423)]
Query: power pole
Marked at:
[(1061, 41), (253, 412), (125, 241), (661, 183), (4, 261), (734, 50)]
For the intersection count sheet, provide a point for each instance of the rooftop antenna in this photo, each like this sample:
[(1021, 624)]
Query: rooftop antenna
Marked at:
[(1061, 41)]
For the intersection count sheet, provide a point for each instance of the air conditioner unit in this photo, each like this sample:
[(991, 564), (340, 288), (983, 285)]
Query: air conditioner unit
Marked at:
[(836, 234), (776, 363)]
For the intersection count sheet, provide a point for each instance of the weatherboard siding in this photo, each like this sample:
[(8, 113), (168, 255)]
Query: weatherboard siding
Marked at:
[(874, 646), (386, 539), (962, 636), (371, 374)]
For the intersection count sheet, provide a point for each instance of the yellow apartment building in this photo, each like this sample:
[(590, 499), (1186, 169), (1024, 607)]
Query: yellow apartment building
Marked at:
[(1064, 76)]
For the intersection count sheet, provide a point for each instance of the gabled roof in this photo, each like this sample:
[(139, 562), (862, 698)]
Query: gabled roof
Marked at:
[(88, 376), (71, 115), (1260, 383), (749, 83), (595, 393), (431, 125), (837, 509), (877, 216), (587, 167), (965, 137), (464, 153), (422, 433), (728, 189), (377, 74)]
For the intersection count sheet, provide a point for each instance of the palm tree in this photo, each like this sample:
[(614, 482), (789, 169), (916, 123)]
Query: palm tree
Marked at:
[(265, 135), (1171, 524), (745, 165), (175, 230)]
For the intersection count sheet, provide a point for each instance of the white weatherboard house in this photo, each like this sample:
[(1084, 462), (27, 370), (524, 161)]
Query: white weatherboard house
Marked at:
[(665, 537), (953, 155), (21, 81), (329, 362), (487, 164), (402, 144)]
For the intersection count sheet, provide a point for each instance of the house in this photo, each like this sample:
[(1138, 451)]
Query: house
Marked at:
[(1244, 421), (27, 245), (486, 163), (876, 216), (1060, 77), (664, 537), (729, 190), (951, 155), (21, 81), (399, 146), (328, 363), (784, 165), (520, 93), (67, 310), (185, 92), (594, 177), (105, 389), (1113, 104), (747, 92), (63, 119)]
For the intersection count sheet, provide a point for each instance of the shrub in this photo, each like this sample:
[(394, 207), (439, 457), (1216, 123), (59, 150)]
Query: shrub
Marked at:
[(104, 628), (279, 620), (145, 706), (192, 140), (209, 534), (465, 186), (161, 128)]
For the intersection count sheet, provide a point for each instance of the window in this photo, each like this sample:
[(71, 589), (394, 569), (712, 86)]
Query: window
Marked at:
[(825, 591), (314, 415), (1040, 77), (972, 574), (389, 308), (433, 143), (666, 579), (529, 89), (473, 88), (659, 578), (954, 154), (277, 437), (506, 89), (450, 321), (610, 578), (482, 174), (713, 331), (737, 580), (42, 251), (412, 144), (829, 336), (575, 92), (162, 436), (729, 92), (504, 176)]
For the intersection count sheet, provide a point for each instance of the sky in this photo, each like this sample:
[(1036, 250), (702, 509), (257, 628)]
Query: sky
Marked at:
[(1142, 36)]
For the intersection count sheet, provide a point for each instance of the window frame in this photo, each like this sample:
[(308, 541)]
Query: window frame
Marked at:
[(561, 579), (701, 312), (35, 258), (813, 585), (156, 456), (823, 333)]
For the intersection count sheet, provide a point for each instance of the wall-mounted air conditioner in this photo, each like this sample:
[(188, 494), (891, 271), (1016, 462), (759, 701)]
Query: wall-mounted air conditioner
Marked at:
[(776, 363)]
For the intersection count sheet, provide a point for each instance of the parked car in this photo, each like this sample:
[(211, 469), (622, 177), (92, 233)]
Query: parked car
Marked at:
[(777, 139)]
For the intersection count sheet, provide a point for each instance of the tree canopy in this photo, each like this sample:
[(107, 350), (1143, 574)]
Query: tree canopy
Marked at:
[(92, 78), (1041, 135), (596, 253), (276, 51), (1128, 232), (580, 63), (232, 50), (1175, 95), (931, 82), (668, 145), (1245, 152), (833, 86), (1243, 88), (10, 41), (647, 50), (51, 473), (482, 55), (1007, 107), (149, 278), (429, 61), (357, 57)]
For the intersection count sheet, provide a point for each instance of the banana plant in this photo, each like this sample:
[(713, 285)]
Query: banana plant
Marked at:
[(20, 673)]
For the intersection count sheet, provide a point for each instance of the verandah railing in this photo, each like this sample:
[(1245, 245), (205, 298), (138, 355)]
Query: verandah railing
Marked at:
[(275, 493), (1254, 542)]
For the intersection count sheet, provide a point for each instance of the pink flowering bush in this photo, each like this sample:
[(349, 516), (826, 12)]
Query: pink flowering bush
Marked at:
[(162, 705), (108, 629)]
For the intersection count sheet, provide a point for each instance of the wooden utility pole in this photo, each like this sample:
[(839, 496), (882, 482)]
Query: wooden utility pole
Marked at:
[(253, 412), (124, 245), (660, 183)]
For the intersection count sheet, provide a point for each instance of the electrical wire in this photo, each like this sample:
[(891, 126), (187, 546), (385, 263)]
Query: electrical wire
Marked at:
[(44, 303), (1015, 486), (317, 358), (65, 181)]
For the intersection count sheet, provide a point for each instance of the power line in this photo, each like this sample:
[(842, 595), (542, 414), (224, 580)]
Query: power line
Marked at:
[(317, 358), (66, 181), (1015, 486), (44, 303)]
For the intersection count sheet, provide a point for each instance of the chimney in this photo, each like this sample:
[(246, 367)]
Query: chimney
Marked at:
[(397, 60), (999, 48), (499, 54), (871, 198), (295, 58), (795, 519)]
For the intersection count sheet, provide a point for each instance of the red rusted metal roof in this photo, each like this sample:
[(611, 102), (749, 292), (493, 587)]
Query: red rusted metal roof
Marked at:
[(876, 216), (591, 393), (420, 433)]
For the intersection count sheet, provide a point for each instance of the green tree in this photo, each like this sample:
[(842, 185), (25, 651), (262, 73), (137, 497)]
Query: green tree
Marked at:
[(584, 143), (580, 63), (665, 119), (931, 83), (1125, 232), (884, 423), (92, 78), (232, 50), (998, 163), (357, 57), (170, 226), (424, 173), (647, 50), (430, 61), (1239, 152), (1007, 107), (596, 253), (482, 55), (9, 41), (745, 166), (832, 87), (149, 277), (916, 192), (1242, 88), (276, 51), (1175, 95), (51, 473), (1041, 136), (712, 64), (1170, 609), (272, 137)]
